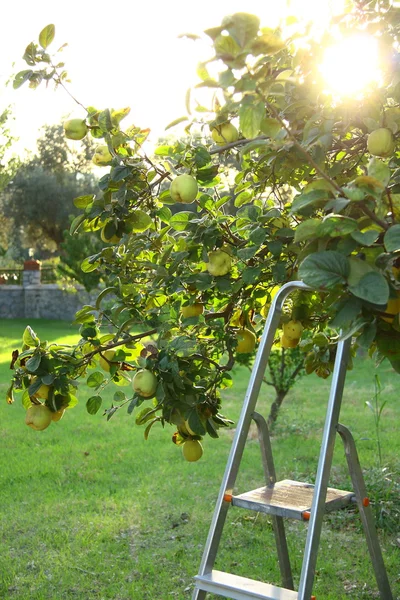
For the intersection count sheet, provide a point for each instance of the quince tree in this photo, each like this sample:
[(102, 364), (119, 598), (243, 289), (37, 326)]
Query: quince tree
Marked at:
[(311, 192)]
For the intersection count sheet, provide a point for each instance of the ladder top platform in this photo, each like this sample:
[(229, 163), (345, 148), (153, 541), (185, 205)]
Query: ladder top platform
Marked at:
[(289, 499), (242, 588)]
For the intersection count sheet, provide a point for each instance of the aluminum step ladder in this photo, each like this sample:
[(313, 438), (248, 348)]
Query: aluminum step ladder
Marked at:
[(288, 499)]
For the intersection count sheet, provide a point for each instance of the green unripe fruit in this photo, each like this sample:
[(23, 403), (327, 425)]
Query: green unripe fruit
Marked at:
[(184, 189), (38, 417), (192, 310), (293, 330), (57, 416), (192, 450), (219, 263), (288, 343), (224, 134), (102, 156), (246, 341), (75, 129), (381, 143), (145, 383)]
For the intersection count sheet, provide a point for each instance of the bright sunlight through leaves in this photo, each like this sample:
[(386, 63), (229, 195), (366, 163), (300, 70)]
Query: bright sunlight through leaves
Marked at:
[(351, 65)]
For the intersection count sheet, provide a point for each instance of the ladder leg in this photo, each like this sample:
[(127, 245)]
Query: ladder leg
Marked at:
[(365, 512), (242, 429), (277, 522), (323, 471)]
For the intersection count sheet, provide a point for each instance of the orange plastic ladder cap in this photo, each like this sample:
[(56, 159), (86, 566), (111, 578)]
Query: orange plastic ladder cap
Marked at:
[(365, 501), (306, 515), (228, 497)]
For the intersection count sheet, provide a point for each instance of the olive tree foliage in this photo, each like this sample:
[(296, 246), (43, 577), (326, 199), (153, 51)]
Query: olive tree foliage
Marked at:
[(38, 199), (8, 166), (314, 201)]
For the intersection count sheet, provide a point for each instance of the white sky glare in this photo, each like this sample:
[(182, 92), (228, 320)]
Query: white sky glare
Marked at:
[(125, 53)]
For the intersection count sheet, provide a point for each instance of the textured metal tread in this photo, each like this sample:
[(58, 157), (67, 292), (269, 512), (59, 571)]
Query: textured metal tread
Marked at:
[(289, 499), (241, 588)]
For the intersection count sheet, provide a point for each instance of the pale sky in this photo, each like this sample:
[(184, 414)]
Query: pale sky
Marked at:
[(121, 53)]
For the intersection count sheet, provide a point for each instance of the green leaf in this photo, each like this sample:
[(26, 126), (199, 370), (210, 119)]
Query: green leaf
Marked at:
[(226, 47), (30, 55), (258, 235), (46, 36), (242, 26), (104, 120), (306, 230), (336, 204), (103, 294), (358, 268), (119, 114), (176, 122), (365, 238), (88, 265), (270, 127), (119, 396), (21, 77), (76, 223), (243, 198), (308, 199), (10, 395), (195, 423), (373, 288), (212, 429), (93, 404), (95, 379), (34, 362), (380, 170), (337, 226), (324, 269), (30, 338), (120, 173), (251, 274), (144, 415), (84, 315), (367, 336), (354, 193), (149, 426), (179, 221), (388, 343), (250, 117), (392, 239), (83, 201), (26, 401), (164, 214)]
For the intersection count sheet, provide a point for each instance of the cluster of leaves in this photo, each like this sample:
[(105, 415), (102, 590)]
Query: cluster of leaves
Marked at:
[(310, 203)]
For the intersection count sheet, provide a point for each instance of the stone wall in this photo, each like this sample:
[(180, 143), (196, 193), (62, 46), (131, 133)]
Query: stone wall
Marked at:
[(41, 301)]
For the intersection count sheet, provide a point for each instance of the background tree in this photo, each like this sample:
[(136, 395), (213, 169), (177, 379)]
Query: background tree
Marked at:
[(316, 196), (8, 166), (39, 197)]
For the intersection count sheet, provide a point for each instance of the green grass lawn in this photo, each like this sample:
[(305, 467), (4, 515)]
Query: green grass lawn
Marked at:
[(90, 510)]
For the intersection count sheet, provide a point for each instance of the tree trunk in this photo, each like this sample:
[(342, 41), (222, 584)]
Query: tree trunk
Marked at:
[(275, 406)]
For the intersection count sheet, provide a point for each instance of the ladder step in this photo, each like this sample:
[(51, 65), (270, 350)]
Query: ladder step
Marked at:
[(290, 499), (241, 588)]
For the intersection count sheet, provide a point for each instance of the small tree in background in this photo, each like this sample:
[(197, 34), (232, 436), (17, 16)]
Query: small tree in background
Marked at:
[(285, 367)]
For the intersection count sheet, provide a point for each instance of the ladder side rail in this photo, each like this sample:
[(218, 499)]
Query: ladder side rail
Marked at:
[(365, 512), (242, 428), (323, 470), (277, 522)]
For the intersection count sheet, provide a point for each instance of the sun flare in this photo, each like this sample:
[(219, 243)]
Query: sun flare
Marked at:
[(351, 65)]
